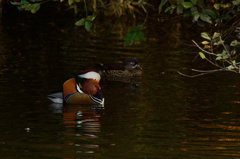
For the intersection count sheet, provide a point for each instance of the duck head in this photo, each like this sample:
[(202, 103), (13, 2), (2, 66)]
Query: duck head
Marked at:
[(89, 80), (131, 64)]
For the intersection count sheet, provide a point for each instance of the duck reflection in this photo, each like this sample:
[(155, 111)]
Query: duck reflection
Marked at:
[(80, 122)]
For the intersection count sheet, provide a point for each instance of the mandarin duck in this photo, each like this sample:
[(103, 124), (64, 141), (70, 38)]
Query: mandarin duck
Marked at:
[(129, 68), (82, 89)]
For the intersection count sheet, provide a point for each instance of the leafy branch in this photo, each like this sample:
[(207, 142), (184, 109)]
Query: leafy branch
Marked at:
[(227, 55)]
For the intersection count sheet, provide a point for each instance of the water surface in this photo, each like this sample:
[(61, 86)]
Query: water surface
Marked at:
[(160, 115)]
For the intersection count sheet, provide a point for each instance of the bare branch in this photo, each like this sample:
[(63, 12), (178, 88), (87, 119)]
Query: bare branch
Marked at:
[(194, 75), (212, 71), (86, 8), (212, 63), (203, 49)]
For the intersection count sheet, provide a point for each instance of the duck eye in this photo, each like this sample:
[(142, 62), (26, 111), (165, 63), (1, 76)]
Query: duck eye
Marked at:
[(133, 63)]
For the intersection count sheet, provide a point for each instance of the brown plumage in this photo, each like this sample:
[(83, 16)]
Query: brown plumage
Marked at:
[(90, 86), (129, 68)]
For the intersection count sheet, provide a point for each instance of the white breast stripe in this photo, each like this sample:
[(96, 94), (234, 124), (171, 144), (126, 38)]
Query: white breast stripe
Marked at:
[(78, 89), (96, 99), (99, 101)]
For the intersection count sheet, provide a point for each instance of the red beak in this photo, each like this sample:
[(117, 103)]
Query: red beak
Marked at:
[(97, 85)]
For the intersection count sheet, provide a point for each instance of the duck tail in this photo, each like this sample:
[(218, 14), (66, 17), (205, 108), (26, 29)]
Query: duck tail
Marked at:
[(56, 97)]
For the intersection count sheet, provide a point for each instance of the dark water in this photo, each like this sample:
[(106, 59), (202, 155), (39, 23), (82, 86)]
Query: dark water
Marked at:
[(160, 115)]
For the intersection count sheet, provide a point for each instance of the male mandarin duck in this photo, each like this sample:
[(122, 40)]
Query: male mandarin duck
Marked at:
[(82, 89), (129, 68)]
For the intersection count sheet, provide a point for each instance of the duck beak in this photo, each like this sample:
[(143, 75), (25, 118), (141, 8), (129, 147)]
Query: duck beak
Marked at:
[(139, 67), (97, 85)]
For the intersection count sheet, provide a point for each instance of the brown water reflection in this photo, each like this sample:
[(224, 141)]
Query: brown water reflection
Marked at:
[(80, 122), (160, 115)]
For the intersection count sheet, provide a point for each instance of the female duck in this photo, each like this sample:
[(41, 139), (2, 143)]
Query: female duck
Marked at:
[(129, 68), (83, 89)]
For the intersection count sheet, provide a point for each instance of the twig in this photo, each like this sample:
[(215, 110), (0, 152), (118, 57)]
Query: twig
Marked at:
[(206, 72), (44, 2), (212, 63), (212, 71), (193, 75), (146, 18), (203, 49), (86, 8)]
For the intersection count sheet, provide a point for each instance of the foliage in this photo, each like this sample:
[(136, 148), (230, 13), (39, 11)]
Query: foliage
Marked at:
[(199, 11), (214, 14), (87, 22), (221, 54), (221, 47), (135, 34), (25, 5), (116, 7)]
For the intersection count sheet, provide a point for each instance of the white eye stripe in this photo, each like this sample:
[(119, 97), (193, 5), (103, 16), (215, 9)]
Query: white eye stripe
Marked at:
[(92, 75)]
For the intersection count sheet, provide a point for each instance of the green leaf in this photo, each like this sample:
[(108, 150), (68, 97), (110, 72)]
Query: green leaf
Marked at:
[(219, 42), (91, 17), (205, 36), (201, 4), (28, 7), (15, 3), (211, 13), (136, 28), (217, 6), (229, 4), (194, 2), (222, 56), (19, 3), (219, 58), (32, 7), (216, 35), (70, 2), (234, 63), (218, 21), (20, 8), (202, 55), (77, 0), (187, 5), (187, 13), (224, 52), (205, 42), (179, 9), (161, 5), (135, 34), (231, 67), (201, 23), (34, 11), (205, 18), (173, 8), (237, 2), (196, 16), (194, 10), (140, 2), (80, 22), (234, 43), (226, 16), (167, 9), (88, 25)]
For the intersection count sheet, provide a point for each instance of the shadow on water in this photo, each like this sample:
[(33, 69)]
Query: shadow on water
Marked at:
[(160, 115)]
